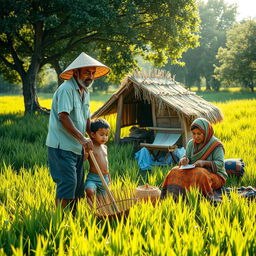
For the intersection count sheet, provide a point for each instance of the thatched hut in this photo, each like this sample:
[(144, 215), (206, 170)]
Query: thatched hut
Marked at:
[(154, 98)]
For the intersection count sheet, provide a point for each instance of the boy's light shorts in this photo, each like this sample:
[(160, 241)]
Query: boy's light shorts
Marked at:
[(94, 183)]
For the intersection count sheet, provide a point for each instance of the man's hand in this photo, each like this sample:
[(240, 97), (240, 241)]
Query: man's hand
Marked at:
[(87, 144), (184, 161), (86, 155)]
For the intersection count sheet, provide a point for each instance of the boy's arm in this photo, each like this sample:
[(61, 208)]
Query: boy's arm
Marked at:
[(106, 150)]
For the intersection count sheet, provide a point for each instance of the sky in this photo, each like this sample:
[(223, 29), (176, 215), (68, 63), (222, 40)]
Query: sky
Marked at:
[(246, 8)]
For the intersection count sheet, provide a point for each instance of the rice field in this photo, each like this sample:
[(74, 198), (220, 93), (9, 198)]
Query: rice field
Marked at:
[(30, 224)]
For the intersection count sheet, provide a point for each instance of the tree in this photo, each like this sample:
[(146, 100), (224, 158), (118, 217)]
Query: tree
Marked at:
[(39, 32), (238, 58), (216, 18)]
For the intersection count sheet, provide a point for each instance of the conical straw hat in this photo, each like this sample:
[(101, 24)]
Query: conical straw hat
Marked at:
[(84, 60)]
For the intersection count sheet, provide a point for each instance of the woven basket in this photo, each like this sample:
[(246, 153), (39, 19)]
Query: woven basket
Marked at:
[(147, 192), (108, 210), (124, 199)]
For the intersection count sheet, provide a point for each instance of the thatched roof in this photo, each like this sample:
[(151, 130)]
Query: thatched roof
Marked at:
[(160, 87)]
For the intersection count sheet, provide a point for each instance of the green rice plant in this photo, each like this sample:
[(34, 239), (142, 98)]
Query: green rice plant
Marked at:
[(31, 225), (237, 134)]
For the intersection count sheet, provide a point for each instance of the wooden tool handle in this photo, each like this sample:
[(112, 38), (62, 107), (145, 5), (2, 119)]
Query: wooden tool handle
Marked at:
[(103, 180)]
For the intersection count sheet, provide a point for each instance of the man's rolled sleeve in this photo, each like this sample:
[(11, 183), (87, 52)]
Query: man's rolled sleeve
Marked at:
[(65, 101)]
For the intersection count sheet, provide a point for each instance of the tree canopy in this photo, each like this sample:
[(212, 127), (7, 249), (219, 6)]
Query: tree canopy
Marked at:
[(216, 18), (238, 58), (38, 32)]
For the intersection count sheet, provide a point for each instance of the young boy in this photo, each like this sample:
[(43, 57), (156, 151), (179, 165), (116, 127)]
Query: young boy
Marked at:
[(99, 134)]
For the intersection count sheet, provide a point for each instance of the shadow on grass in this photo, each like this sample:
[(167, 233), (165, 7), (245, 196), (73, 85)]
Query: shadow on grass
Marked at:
[(22, 140)]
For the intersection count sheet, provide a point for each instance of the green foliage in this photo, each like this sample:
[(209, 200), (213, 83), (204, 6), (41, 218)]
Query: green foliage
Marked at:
[(216, 18), (41, 32), (47, 80), (238, 58)]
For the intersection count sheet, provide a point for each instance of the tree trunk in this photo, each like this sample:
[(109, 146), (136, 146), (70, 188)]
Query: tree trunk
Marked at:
[(208, 85), (29, 90), (199, 86), (30, 96)]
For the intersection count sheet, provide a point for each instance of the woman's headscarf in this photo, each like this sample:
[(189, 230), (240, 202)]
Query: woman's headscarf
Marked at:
[(210, 142)]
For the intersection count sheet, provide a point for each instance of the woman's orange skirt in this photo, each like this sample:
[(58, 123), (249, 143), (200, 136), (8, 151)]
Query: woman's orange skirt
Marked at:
[(178, 181)]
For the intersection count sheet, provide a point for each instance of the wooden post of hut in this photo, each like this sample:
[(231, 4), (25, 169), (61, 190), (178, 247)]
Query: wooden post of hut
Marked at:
[(119, 119), (184, 130)]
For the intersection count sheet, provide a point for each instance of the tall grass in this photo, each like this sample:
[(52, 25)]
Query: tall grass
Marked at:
[(30, 224), (237, 132)]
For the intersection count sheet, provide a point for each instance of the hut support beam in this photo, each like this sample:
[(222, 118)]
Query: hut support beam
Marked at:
[(153, 109), (119, 119), (185, 131)]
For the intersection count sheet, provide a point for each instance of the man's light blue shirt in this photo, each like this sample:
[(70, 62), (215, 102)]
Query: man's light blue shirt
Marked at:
[(67, 99)]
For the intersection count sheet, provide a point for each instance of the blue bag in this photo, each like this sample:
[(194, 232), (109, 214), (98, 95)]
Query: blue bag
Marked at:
[(235, 167)]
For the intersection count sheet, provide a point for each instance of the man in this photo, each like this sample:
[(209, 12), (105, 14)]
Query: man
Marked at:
[(69, 120)]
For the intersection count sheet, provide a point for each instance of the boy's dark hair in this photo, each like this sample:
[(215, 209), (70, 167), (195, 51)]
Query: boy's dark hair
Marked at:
[(96, 124)]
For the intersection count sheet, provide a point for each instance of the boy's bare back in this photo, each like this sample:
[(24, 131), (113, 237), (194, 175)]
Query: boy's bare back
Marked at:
[(101, 156)]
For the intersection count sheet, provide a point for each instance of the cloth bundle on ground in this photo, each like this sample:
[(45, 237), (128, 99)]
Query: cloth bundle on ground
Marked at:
[(247, 192), (235, 167), (146, 160)]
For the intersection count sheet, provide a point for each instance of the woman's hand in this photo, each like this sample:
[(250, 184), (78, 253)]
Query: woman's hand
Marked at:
[(184, 161), (199, 163)]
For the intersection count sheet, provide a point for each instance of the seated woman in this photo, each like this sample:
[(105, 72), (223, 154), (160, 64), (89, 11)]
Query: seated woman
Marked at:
[(207, 154)]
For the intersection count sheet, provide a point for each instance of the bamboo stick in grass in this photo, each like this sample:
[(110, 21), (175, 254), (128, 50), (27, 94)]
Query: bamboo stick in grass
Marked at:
[(103, 180)]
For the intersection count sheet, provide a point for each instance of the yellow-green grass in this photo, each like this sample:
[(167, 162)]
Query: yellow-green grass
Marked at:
[(30, 225), (15, 104)]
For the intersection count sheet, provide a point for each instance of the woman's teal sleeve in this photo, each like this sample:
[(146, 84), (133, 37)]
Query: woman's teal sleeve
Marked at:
[(218, 159)]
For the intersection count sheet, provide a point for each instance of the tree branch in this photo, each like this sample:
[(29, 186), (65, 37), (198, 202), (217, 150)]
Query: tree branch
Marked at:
[(18, 64), (55, 30), (71, 46), (7, 63), (26, 44), (66, 36)]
